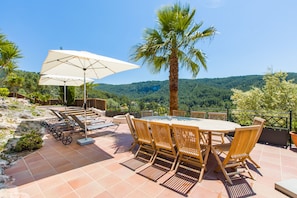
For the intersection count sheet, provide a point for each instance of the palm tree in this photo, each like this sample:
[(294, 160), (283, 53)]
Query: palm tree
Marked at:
[(9, 52), (173, 43)]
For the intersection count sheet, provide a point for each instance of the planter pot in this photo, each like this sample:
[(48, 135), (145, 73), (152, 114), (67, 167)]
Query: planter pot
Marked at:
[(294, 137)]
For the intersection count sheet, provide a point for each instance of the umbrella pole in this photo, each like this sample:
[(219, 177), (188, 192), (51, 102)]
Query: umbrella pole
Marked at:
[(85, 102), (85, 140), (65, 99)]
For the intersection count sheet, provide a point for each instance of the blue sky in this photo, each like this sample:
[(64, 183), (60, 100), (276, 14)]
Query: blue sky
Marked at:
[(253, 36)]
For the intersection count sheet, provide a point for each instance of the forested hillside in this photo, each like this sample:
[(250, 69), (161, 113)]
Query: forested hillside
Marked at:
[(193, 94), (207, 92)]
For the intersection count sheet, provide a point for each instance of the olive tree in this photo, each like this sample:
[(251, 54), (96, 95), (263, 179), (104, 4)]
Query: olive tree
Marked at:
[(278, 95)]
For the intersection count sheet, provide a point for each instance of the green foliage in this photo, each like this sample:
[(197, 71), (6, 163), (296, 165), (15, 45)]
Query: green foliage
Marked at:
[(14, 82), (4, 92), (294, 126), (70, 94), (29, 142), (278, 95), (9, 53), (112, 105)]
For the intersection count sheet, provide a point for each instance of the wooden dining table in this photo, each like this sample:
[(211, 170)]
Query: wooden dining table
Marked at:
[(204, 125)]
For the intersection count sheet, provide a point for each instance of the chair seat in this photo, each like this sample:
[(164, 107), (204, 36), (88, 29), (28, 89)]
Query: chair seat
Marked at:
[(164, 145), (190, 152)]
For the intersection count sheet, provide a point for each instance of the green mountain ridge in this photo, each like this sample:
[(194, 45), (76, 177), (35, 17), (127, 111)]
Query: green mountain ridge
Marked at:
[(207, 92), (193, 93)]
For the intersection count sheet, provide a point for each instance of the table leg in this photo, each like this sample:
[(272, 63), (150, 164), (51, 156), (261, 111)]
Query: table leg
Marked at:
[(220, 164)]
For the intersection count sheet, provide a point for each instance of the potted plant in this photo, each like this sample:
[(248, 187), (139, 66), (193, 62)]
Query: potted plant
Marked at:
[(293, 133)]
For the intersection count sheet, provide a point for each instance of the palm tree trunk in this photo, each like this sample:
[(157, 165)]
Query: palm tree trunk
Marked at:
[(173, 83)]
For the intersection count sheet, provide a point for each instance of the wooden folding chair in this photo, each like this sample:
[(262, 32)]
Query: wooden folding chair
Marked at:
[(237, 152), (163, 141), (218, 116), (190, 150), (261, 122), (145, 140), (146, 113), (198, 114), (179, 113), (132, 131)]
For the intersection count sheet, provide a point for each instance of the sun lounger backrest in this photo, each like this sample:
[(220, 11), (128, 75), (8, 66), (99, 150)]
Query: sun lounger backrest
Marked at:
[(78, 121)]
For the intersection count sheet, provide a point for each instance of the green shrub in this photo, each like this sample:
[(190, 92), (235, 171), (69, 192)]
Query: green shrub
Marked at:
[(29, 142), (4, 92)]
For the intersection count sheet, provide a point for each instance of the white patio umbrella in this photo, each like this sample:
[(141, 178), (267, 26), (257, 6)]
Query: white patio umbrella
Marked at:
[(83, 64), (57, 80)]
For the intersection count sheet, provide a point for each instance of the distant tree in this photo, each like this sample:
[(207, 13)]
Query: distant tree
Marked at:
[(173, 42), (70, 95), (14, 82), (9, 52), (277, 95), (112, 105)]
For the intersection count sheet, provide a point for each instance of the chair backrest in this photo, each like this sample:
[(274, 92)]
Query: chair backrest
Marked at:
[(187, 140), (261, 122), (198, 114), (178, 113), (242, 144), (146, 113), (217, 115), (131, 126), (142, 131), (78, 121), (64, 116), (57, 114), (162, 136)]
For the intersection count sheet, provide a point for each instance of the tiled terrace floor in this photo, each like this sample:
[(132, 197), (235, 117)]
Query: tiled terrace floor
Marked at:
[(94, 170)]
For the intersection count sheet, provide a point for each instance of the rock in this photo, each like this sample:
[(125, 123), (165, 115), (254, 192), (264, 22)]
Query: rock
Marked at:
[(3, 163), (6, 181), (25, 116)]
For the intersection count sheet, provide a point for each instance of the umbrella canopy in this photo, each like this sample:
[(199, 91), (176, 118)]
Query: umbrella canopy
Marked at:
[(78, 63), (83, 64), (62, 81)]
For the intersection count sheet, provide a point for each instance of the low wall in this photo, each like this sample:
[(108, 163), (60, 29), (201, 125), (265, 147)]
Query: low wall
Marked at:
[(91, 102)]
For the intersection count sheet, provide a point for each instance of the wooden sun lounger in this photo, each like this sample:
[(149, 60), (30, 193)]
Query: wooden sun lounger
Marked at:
[(93, 126), (90, 119)]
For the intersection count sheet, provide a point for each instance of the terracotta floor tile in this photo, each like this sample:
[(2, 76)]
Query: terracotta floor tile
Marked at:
[(44, 167), (121, 189), (151, 188), (50, 182), (22, 181), (72, 174), (31, 190), (94, 170), (109, 180), (80, 181), (71, 195), (58, 191), (104, 194), (91, 189), (136, 180), (98, 173), (139, 193)]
